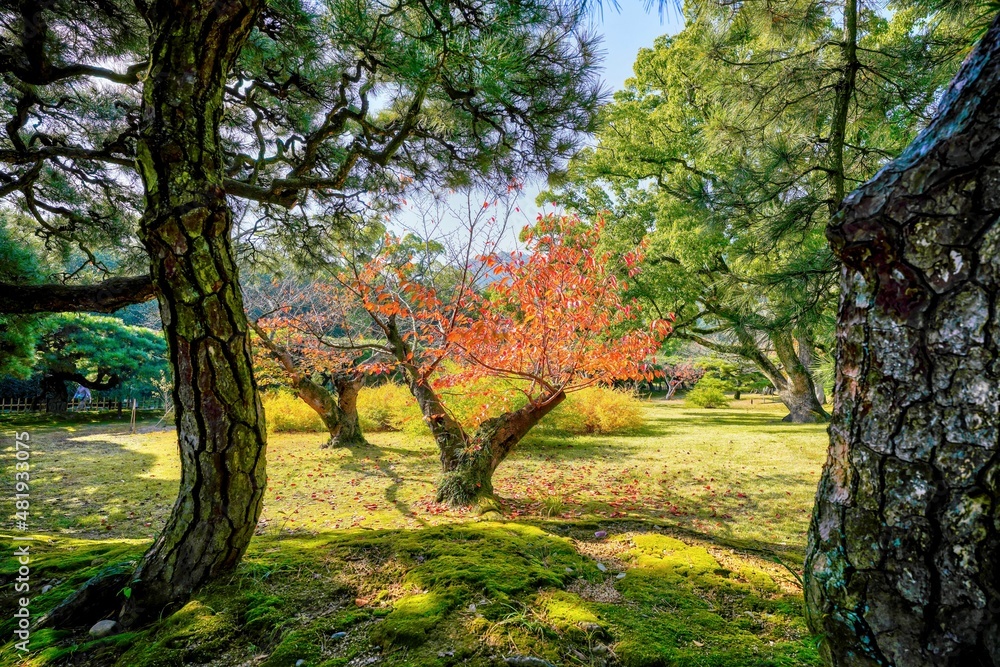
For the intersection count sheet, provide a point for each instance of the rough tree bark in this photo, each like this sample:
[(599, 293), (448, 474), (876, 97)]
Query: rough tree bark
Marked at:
[(904, 546), (186, 231)]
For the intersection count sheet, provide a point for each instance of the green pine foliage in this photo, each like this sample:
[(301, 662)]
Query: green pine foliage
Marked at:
[(709, 392), (734, 143), (100, 347)]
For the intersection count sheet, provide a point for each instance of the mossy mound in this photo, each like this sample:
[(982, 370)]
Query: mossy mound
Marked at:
[(196, 633), (681, 607)]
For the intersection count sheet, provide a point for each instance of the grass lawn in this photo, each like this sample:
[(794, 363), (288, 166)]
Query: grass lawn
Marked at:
[(705, 513)]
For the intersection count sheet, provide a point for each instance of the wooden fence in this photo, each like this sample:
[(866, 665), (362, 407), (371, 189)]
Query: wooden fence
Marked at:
[(95, 405)]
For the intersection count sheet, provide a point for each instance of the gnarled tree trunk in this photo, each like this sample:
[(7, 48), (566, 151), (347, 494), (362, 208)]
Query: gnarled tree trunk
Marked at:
[(796, 389), (467, 462), (349, 433), (186, 230), (54, 394), (339, 413), (468, 477), (904, 547)]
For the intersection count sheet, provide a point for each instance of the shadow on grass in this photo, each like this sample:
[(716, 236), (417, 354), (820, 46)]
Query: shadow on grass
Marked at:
[(467, 594), (85, 483), (384, 470), (50, 420)]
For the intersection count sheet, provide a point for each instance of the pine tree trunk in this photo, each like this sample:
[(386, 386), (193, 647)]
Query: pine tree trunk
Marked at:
[(186, 230), (468, 479), (798, 392), (807, 357), (904, 547)]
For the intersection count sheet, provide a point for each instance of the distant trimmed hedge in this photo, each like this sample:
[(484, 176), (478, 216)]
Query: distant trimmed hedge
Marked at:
[(390, 407)]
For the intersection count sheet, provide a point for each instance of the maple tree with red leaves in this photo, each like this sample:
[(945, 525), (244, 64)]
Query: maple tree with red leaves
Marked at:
[(680, 374), (551, 321), (313, 333)]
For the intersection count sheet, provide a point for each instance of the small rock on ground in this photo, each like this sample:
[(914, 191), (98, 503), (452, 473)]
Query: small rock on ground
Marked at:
[(526, 661), (104, 628)]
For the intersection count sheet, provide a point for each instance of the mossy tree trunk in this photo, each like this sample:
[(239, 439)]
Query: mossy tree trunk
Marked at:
[(186, 230), (904, 545), (468, 477)]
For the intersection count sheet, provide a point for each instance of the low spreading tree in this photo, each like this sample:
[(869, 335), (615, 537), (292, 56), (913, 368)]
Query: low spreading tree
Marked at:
[(99, 353), (550, 322)]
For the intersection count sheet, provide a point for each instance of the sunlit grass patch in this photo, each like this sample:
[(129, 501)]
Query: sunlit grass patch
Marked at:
[(699, 507)]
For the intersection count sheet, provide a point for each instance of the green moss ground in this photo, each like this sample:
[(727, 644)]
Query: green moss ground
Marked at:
[(698, 506)]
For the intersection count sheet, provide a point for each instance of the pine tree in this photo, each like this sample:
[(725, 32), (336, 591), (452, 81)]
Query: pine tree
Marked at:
[(732, 146), (164, 128)]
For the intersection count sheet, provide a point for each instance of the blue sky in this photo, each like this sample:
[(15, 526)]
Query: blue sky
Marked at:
[(628, 29)]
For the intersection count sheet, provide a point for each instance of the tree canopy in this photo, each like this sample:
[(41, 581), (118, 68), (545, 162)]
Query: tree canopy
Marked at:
[(335, 106), (731, 147)]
